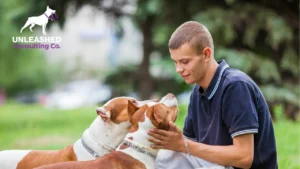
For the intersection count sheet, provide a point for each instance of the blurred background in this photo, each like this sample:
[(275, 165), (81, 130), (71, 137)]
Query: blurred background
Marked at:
[(116, 48)]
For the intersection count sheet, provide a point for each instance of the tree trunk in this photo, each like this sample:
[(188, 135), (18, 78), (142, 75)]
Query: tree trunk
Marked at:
[(145, 81)]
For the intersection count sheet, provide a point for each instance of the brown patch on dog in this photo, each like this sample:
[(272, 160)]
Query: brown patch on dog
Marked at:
[(118, 110), (123, 146), (160, 115), (114, 160), (130, 138), (43, 157), (136, 115)]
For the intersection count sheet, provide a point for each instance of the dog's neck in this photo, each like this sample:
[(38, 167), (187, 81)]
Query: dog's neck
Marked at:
[(139, 138), (103, 137), (47, 14)]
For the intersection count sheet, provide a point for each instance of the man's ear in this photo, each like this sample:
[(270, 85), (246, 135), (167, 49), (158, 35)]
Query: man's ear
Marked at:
[(207, 53), (131, 109)]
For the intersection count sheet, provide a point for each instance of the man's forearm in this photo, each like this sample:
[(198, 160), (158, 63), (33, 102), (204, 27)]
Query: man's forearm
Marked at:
[(230, 155)]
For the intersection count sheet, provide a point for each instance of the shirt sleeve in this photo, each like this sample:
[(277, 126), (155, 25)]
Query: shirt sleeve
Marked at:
[(239, 109)]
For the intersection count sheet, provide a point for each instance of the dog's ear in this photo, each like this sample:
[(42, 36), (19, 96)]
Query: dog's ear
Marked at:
[(173, 112), (131, 109), (158, 111), (104, 113), (47, 7), (162, 115)]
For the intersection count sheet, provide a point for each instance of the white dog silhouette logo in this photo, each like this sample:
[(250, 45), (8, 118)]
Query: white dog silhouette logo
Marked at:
[(41, 20)]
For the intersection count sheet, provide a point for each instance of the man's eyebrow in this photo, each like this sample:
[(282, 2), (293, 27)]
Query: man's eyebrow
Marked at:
[(184, 59), (181, 59)]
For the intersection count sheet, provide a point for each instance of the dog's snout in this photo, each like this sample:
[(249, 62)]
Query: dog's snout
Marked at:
[(171, 95), (100, 111), (155, 100)]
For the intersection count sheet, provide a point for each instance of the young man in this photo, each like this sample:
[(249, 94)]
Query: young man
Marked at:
[(228, 121)]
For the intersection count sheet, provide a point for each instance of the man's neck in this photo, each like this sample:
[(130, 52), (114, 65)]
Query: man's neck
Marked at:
[(211, 70)]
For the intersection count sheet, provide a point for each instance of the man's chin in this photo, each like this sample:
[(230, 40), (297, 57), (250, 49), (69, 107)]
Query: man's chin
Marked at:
[(189, 82)]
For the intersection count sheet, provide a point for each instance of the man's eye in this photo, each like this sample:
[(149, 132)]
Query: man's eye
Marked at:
[(185, 61)]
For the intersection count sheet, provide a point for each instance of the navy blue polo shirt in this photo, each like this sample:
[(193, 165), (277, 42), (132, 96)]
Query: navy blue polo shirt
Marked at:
[(232, 105)]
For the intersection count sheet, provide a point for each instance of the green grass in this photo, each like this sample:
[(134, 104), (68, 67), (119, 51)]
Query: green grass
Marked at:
[(34, 127)]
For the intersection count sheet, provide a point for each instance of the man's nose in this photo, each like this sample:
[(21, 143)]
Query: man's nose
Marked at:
[(179, 69)]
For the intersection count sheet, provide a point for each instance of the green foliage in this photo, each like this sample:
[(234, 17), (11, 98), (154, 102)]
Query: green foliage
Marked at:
[(279, 112), (237, 59), (122, 80), (257, 37), (31, 122), (280, 94), (146, 8), (290, 61), (20, 69), (259, 41), (287, 141), (161, 35), (127, 76), (219, 22)]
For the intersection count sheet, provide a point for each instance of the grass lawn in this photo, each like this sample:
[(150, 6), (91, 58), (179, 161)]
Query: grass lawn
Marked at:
[(34, 127)]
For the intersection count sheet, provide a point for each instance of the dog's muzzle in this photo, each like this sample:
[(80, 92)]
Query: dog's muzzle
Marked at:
[(52, 17)]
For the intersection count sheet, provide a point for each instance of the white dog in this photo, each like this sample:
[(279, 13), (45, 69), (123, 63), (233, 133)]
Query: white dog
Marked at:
[(41, 20)]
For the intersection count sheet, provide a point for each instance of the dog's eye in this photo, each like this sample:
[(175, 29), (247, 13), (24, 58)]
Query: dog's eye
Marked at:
[(133, 101)]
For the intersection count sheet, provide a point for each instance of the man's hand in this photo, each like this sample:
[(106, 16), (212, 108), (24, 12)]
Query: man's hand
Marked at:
[(170, 140)]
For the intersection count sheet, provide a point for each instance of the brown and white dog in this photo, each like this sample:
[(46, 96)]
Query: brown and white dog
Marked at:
[(104, 135), (135, 151)]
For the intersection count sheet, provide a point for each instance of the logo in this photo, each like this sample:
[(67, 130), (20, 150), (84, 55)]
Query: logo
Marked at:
[(38, 42), (41, 20)]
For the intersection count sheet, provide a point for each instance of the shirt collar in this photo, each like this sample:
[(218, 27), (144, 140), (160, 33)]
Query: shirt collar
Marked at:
[(214, 83)]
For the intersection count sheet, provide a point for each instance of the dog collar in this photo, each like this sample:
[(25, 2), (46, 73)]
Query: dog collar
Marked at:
[(138, 148), (46, 15), (94, 153)]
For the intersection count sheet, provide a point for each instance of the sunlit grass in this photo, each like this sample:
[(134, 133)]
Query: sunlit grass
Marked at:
[(34, 127)]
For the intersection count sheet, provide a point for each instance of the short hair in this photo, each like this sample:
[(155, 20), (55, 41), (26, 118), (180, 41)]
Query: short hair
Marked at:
[(194, 33)]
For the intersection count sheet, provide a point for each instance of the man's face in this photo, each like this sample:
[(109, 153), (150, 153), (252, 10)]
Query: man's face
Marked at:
[(190, 65)]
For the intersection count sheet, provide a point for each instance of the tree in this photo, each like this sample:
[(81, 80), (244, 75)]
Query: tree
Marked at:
[(258, 37)]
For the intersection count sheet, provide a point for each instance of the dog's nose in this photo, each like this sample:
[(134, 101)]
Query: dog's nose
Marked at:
[(171, 95), (155, 100)]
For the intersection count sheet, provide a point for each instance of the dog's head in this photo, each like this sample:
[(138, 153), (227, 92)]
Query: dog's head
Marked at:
[(116, 110), (51, 14), (159, 113), (112, 123)]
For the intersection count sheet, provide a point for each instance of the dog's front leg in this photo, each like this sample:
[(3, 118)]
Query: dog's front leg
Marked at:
[(44, 29)]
